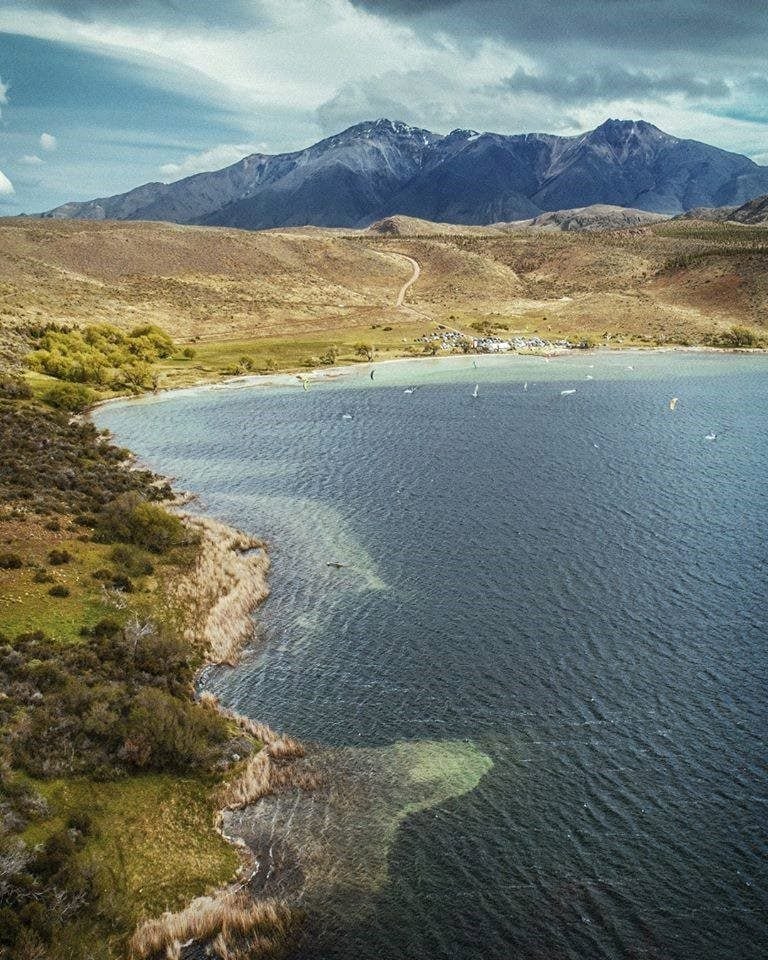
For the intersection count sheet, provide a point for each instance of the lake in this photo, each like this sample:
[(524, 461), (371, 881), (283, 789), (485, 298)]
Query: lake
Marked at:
[(540, 672)]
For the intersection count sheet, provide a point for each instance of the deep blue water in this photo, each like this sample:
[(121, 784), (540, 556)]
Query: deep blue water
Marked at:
[(575, 584)]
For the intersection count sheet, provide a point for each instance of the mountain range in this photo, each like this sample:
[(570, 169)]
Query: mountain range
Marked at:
[(383, 168)]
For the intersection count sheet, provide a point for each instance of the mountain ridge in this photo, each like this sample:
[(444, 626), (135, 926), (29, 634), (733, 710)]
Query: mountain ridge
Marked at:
[(381, 168)]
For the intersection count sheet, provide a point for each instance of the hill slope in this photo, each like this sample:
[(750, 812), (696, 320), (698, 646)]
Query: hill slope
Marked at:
[(382, 168), (671, 280)]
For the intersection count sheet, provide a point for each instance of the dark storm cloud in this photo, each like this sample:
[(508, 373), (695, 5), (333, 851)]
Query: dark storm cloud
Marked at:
[(614, 84), (649, 24)]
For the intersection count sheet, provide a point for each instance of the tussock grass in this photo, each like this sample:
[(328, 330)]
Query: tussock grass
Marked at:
[(233, 925), (218, 595)]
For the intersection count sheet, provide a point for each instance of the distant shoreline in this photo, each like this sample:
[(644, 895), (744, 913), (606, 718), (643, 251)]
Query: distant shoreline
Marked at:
[(322, 374)]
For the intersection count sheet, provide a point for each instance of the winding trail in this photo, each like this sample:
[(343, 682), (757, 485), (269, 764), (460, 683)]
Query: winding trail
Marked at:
[(408, 283), (400, 303)]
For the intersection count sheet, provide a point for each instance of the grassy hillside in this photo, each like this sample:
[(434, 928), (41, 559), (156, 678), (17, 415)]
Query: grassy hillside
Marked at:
[(679, 281)]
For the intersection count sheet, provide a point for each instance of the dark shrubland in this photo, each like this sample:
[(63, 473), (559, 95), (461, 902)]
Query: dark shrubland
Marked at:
[(52, 464)]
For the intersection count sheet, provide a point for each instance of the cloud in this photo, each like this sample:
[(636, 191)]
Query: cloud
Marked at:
[(48, 141), (30, 160), (613, 84), (6, 187), (232, 13), (692, 25), (3, 93), (219, 156)]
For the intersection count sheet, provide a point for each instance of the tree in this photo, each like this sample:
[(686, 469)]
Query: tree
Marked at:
[(137, 376), (330, 356), (366, 350)]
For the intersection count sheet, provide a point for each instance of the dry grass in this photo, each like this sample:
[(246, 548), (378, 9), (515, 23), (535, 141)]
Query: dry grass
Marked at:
[(218, 596), (216, 285), (233, 924)]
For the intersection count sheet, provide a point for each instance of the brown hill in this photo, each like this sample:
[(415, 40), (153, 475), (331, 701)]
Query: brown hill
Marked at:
[(597, 216), (677, 279), (752, 212)]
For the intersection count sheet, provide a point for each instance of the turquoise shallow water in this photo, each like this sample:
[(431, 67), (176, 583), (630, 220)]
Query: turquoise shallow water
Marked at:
[(546, 656)]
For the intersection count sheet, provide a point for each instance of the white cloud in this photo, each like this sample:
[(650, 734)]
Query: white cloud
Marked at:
[(219, 156), (31, 160), (6, 187), (48, 141)]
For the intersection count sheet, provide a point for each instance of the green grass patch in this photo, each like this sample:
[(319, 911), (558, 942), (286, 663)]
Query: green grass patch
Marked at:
[(26, 605), (297, 352), (153, 836)]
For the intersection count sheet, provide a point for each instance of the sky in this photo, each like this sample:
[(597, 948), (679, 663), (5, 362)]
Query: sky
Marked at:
[(98, 96)]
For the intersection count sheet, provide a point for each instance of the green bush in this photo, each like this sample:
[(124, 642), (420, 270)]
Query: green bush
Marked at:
[(10, 561), (14, 388), (73, 397), (100, 354), (163, 732), (131, 559), (123, 583), (130, 519), (735, 338), (330, 356), (59, 590)]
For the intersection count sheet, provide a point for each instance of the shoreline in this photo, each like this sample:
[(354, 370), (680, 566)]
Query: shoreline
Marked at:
[(290, 378), (226, 586)]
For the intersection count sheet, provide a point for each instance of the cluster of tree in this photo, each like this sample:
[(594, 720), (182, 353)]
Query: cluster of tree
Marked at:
[(100, 355), (117, 701)]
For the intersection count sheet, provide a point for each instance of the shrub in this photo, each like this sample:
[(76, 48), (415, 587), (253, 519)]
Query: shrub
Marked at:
[(83, 822), (365, 350), (150, 342), (14, 388), (59, 557), (42, 576), (10, 561), (164, 733), (189, 353), (59, 590), (736, 337), (73, 397), (330, 356), (123, 583), (131, 559), (130, 519)]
